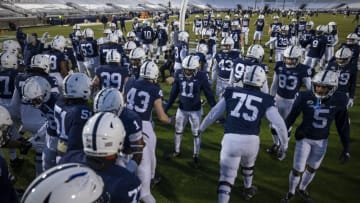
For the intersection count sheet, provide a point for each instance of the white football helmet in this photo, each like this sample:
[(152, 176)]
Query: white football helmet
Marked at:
[(261, 16), (190, 65), (103, 135), (5, 123), (41, 61), (294, 20), (256, 51), (106, 32), (343, 56), (246, 16), (275, 18), (325, 78), (352, 38), (113, 56), (11, 46), (197, 16), (118, 33), (58, 43), (309, 25), (292, 56), (77, 86), (319, 29), (227, 44), (8, 60), (202, 48), (76, 27), (112, 25), (206, 34), (183, 36), (145, 23), (254, 76), (36, 90), (149, 70), (327, 29), (131, 35), (70, 183), (78, 33), (109, 100), (88, 33), (332, 24), (137, 53), (128, 46), (227, 17)]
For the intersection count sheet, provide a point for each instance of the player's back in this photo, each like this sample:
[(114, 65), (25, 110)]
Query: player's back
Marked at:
[(7, 82), (112, 76), (245, 108)]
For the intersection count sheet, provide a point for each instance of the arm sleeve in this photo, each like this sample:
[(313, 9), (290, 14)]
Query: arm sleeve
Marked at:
[(307, 82), (173, 95), (265, 87), (274, 85), (295, 111), (215, 113), (277, 122), (208, 93), (336, 40), (343, 127), (214, 71)]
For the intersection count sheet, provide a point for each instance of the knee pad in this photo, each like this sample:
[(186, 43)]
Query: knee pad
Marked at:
[(243, 169), (296, 173), (311, 170)]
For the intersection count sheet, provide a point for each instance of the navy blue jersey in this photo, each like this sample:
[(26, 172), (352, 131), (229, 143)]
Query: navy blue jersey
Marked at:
[(72, 36), (198, 23), (290, 79), (70, 120), (47, 109), (7, 192), (190, 91), (31, 50), (302, 25), (225, 63), (56, 57), (162, 37), (70, 55), (7, 82), (355, 48), (293, 29), (105, 48), (275, 29), (235, 35), (218, 22), (112, 76), (205, 22), (20, 79), (132, 124), (318, 115), (147, 35), (77, 48), (245, 22), (260, 23), (141, 96), (202, 57), (89, 48), (317, 46), (226, 25), (330, 39), (347, 77), (244, 110), (282, 41), (119, 184), (210, 43), (306, 37), (181, 50)]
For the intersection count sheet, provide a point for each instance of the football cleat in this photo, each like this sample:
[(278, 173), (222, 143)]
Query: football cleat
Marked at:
[(196, 161), (304, 195), (173, 155), (274, 149), (154, 181), (249, 193), (287, 198)]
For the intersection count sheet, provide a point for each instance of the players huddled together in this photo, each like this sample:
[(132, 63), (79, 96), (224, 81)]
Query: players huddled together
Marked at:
[(106, 152)]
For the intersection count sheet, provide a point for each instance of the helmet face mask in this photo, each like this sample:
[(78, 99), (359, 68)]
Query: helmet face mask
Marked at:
[(227, 44), (324, 84), (190, 66), (292, 56), (343, 56), (256, 51), (149, 71)]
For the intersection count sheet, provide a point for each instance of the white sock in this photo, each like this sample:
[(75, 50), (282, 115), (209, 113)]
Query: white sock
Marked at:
[(197, 142), (293, 182), (177, 142), (306, 179)]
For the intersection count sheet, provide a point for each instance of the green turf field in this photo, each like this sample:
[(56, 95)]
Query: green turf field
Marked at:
[(334, 182)]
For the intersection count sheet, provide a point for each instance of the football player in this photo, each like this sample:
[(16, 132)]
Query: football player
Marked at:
[(112, 74), (347, 73), (89, 50), (162, 38), (148, 37), (111, 44), (131, 36), (274, 31), (218, 24), (293, 31), (189, 82), (137, 57), (225, 27), (223, 65), (197, 27), (235, 34), (302, 26), (244, 108), (282, 41), (71, 112), (260, 24), (352, 42), (289, 76), (181, 49), (37, 91), (245, 28), (142, 96), (72, 35), (319, 108), (305, 37), (316, 49), (332, 39)]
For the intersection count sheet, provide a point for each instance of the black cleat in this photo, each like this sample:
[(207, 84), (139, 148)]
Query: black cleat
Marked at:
[(249, 193), (196, 161), (173, 155), (16, 163), (304, 195), (287, 198), (273, 149), (156, 180)]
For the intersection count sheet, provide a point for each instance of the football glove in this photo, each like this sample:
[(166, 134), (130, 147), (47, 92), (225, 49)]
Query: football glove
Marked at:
[(44, 37), (281, 153), (170, 80), (350, 103)]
